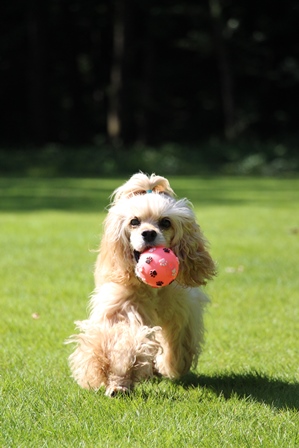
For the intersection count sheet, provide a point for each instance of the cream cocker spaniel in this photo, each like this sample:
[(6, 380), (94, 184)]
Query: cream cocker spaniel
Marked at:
[(135, 331)]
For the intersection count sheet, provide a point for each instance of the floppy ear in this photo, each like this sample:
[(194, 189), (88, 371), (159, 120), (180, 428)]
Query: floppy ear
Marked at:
[(190, 246), (114, 262)]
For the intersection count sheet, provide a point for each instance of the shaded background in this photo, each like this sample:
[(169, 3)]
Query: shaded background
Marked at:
[(96, 86)]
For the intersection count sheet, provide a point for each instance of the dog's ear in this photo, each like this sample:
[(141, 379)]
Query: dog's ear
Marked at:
[(191, 247), (114, 262)]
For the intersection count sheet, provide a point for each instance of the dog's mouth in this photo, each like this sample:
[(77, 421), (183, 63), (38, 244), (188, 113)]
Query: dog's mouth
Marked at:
[(136, 255)]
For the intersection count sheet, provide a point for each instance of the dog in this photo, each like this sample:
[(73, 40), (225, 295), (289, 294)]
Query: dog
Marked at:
[(135, 331)]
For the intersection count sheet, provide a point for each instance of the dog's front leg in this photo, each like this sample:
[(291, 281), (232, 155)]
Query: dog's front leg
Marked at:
[(114, 354), (131, 355), (176, 356)]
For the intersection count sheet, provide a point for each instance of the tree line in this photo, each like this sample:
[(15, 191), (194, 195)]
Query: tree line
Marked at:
[(124, 71)]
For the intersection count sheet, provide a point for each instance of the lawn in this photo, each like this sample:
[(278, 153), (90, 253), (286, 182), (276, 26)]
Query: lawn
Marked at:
[(245, 392)]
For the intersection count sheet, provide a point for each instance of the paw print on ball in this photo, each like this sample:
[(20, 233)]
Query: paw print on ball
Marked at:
[(160, 283), (157, 267)]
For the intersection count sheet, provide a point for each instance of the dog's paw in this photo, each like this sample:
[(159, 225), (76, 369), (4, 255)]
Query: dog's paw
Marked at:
[(116, 390)]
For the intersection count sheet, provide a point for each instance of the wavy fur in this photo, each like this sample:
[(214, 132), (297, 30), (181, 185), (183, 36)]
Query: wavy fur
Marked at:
[(135, 331)]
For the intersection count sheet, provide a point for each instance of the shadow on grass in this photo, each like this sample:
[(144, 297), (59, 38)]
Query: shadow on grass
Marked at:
[(83, 195), (273, 392), (80, 195), (75, 194)]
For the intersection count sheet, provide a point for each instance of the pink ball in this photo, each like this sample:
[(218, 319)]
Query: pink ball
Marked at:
[(157, 267)]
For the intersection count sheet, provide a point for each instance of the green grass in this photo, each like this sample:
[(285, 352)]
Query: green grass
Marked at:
[(245, 392)]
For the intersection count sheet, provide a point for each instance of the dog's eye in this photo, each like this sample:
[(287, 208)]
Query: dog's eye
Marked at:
[(135, 222), (165, 223)]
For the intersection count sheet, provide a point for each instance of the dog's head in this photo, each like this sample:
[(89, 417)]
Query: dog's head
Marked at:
[(148, 215)]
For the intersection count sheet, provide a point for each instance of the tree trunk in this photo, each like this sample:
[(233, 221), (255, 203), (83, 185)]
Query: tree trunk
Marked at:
[(225, 74), (146, 121), (36, 72), (114, 125)]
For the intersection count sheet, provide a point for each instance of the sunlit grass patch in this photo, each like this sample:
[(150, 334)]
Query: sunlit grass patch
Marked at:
[(245, 392)]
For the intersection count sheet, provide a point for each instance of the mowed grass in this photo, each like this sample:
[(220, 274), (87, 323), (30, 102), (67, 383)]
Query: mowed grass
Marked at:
[(245, 392)]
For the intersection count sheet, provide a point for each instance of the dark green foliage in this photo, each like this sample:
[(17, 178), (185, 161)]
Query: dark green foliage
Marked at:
[(211, 158), (189, 71)]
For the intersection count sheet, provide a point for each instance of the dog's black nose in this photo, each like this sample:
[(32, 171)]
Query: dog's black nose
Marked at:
[(149, 235)]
